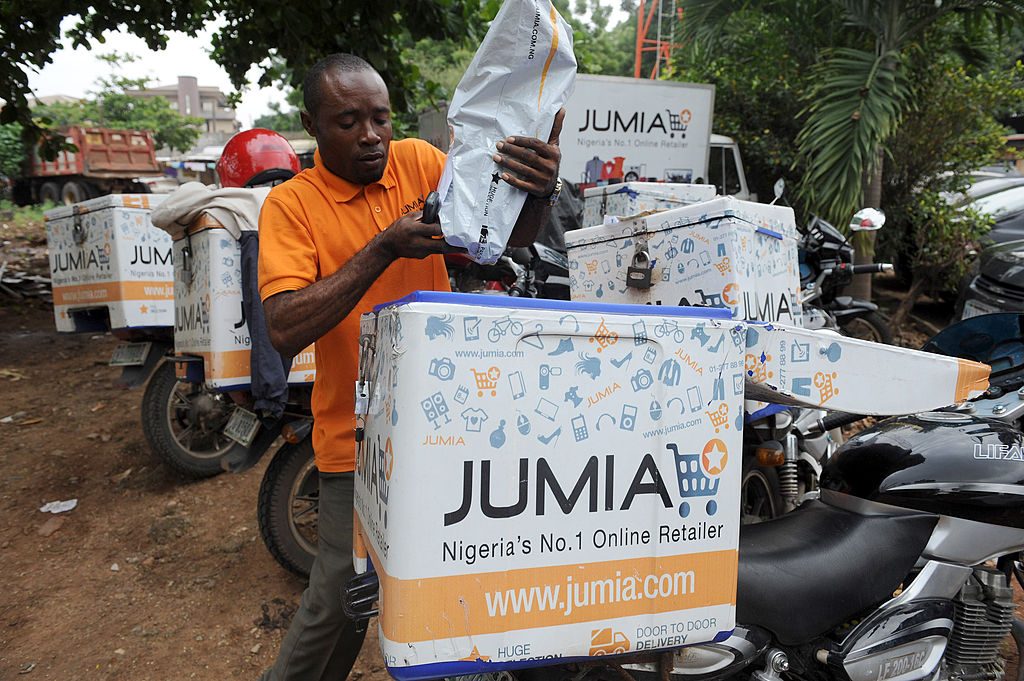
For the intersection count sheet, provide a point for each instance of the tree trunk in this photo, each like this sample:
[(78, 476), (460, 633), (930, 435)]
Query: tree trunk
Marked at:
[(907, 304)]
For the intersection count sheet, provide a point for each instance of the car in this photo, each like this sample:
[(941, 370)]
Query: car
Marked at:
[(1006, 206), (996, 283)]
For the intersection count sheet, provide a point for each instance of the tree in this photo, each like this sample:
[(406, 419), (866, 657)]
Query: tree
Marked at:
[(262, 33)]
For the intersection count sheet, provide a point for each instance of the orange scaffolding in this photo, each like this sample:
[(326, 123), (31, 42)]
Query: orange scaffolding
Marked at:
[(662, 23)]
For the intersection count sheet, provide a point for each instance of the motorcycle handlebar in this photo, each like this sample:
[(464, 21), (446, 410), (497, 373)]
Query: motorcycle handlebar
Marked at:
[(867, 269), (833, 420)]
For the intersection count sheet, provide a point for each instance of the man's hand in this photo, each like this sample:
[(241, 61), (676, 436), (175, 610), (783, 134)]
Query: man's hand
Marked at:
[(530, 164), (409, 237)]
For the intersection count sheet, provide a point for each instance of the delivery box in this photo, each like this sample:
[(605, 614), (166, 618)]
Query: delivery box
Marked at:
[(109, 267), (547, 480), (209, 316), (794, 366), (726, 253), (632, 198)]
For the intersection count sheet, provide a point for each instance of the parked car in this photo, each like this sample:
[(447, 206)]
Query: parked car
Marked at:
[(996, 282)]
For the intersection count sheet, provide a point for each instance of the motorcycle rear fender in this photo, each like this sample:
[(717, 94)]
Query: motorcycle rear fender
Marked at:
[(134, 376)]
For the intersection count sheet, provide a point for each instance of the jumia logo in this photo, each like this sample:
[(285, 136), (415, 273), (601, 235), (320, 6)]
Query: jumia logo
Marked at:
[(597, 479), (374, 460), (192, 315), (84, 259), (616, 121)]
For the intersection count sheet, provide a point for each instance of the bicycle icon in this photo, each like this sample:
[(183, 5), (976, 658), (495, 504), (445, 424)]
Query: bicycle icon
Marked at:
[(504, 326), (670, 328)]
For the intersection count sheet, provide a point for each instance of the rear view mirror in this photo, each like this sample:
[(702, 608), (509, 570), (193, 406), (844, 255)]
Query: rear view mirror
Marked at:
[(778, 188), (867, 220)]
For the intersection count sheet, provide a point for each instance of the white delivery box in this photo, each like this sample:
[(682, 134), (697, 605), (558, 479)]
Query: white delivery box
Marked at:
[(632, 198), (109, 266), (209, 320), (546, 479), (795, 366), (723, 253)]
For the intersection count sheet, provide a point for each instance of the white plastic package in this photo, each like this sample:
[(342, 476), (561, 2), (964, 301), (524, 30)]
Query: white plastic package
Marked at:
[(521, 75)]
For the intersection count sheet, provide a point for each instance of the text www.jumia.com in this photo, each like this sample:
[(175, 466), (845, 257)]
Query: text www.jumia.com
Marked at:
[(483, 354), (580, 595)]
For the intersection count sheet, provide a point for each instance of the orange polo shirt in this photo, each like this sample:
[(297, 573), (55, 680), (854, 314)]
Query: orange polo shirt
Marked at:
[(309, 227)]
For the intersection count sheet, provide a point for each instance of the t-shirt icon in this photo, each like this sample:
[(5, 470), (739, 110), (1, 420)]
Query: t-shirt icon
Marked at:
[(474, 419)]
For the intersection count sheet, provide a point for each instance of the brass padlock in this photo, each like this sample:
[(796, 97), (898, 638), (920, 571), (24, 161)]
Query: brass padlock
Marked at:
[(638, 274)]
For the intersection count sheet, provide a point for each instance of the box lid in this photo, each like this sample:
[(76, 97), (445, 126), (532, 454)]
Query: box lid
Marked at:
[(508, 302), (141, 201), (766, 219), (662, 189)]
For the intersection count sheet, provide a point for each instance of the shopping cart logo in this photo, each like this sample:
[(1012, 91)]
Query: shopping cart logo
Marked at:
[(719, 417), (677, 122), (592, 267), (825, 383), (487, 380), (604, 337), (698, 474), (757, 367), (724, 266)]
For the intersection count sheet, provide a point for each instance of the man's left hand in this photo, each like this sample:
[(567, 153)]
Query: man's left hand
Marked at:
[(530, 164)]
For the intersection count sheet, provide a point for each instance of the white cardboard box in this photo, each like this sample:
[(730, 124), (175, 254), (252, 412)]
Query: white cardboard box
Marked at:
[(209, 318), (724, 253), (548, 479), (105, 255), (795, 366), (632, 198)]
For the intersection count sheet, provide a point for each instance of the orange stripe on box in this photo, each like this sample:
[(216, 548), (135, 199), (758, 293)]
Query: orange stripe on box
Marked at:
[(970, 377), (112, 292), (414, 610)]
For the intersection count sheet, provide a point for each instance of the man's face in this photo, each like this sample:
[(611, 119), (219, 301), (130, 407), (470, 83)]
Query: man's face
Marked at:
[(352, 125)]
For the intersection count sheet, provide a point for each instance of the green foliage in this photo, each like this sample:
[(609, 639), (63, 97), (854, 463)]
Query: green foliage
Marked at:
[(12, 150), (111, 106), (280, 120)]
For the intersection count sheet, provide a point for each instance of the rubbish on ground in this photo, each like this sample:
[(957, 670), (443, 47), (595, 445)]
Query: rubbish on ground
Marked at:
[(59, 506)]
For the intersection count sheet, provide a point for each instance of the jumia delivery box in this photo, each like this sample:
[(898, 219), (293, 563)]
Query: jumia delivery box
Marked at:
[(547, 480), (727, 253), (632, 198), (209, 319), (109, 266)]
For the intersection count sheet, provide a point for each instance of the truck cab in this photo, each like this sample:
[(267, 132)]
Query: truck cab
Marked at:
[(725, 168)]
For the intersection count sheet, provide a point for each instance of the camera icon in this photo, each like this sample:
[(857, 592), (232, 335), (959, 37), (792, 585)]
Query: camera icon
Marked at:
[(641, 380), (443, 368)]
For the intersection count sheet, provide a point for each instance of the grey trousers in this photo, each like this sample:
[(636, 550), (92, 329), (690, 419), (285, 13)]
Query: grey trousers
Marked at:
[(321, 642)]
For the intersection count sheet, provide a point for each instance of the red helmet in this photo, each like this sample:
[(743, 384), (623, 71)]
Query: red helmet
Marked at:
[(256, 157)]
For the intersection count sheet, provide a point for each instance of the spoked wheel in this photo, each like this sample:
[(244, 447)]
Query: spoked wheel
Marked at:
[(184, 424), (760, 498), (289, 505), (869, 326)]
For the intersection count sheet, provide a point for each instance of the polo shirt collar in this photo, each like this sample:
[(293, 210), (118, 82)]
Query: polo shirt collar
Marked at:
[(341, 189)]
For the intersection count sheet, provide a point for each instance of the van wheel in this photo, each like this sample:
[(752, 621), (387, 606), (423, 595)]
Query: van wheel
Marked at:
[(49, 191), (288, 507)]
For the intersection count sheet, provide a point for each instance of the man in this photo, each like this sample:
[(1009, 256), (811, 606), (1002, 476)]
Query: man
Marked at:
[(336, 240)]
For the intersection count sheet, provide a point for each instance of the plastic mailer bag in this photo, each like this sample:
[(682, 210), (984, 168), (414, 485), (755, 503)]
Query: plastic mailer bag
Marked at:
[(520, 77)]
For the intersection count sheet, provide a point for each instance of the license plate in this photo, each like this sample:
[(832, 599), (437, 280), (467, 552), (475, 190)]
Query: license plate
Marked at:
[(975, 309), (129, 354), (242, 426)]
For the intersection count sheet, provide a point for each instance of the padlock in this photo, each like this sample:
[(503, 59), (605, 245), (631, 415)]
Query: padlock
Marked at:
[(638, 274)]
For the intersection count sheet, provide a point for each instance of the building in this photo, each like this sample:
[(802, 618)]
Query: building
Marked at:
[(188, 98)]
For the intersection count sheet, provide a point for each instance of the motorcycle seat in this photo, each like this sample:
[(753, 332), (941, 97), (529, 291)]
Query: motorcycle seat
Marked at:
[(808, 571)]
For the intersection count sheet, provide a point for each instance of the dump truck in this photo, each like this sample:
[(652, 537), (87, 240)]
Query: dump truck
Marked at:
[(108, 161)]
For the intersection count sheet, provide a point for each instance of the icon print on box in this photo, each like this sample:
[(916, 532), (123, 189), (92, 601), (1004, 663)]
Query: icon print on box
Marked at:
[(471, 328), (579, 428), (693, 395), (719, 417), (639, 333), (442, 368), (604, 337), (487, 380), (670, 372), (546, 372), (627, 420), (737, 384), (522, 423), (641, 380), (435, 408), (617, 363), (498, 435), (571, 395), (719, 390), (501, 327), (461, 394), (833, 352), (824, 383), (474, 419), (591, 366), (604, 416), (650, 354), (515, 381), (564, 346), (547, 409), (439, 326), (717, 346), (608, 642), (547, 439)]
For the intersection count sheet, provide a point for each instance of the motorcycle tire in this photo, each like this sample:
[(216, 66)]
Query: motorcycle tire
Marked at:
[(288, 507), (760, 498), (173, 416), (868, 326)]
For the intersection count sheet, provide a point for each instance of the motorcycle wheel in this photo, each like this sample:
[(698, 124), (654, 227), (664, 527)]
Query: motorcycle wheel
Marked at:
[(288, 507), (760, 498), (869, 326), (183, 424)]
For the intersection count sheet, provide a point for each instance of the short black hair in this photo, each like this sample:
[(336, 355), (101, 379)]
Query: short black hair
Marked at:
[(311, 84)]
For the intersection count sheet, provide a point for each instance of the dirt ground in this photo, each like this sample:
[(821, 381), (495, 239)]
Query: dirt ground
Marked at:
[(151, 576)]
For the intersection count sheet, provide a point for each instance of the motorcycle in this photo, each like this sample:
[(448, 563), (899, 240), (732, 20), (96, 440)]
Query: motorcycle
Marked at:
[(900, 570)]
